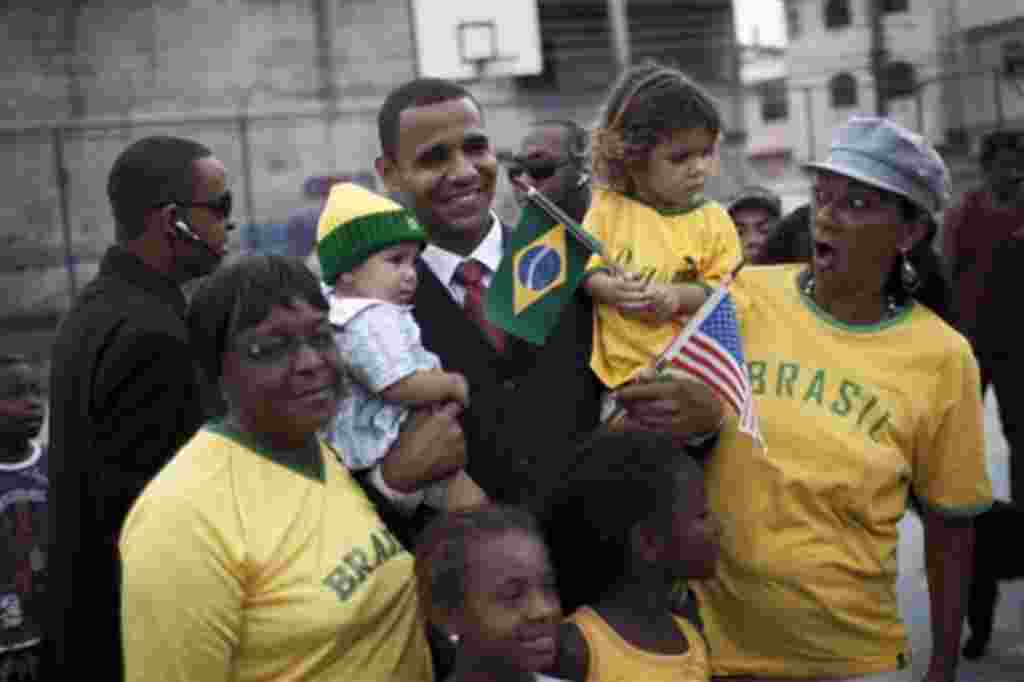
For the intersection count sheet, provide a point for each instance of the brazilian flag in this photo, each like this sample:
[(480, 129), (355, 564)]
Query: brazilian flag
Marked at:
[(542, 266)]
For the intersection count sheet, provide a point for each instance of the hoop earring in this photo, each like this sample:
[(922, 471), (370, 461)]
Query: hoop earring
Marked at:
[(908, 275)]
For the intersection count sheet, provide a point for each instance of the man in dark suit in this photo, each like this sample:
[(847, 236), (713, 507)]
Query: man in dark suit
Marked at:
[(529, 404), (124, 389)]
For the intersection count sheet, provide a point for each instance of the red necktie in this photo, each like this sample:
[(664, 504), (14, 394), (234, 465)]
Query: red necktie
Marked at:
[(470, 274)]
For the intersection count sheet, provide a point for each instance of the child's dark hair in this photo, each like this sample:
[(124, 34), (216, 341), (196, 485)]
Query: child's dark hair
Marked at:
[(442, 552), (648, 102), (621, 478)]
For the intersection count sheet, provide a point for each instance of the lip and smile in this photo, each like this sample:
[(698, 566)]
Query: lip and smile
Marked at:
[(541, 643)]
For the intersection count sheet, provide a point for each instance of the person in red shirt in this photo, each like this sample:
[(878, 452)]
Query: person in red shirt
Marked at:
[(980, 245)]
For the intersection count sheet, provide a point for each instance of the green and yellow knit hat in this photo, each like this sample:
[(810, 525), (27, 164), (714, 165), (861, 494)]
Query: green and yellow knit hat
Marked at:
[(355, 224)]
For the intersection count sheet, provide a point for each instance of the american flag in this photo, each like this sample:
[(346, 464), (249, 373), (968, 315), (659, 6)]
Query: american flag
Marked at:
[(709, 349)]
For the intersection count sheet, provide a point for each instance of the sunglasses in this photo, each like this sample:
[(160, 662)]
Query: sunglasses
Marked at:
[(221, 205), (539, 169)]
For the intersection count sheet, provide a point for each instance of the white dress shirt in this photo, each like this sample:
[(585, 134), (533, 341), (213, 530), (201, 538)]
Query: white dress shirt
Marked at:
[(444, 263)]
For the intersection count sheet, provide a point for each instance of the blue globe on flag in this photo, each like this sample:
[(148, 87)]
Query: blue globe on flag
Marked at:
[(539, 267)]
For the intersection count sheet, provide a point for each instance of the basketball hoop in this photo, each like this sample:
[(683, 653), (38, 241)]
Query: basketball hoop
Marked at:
[(478, 44), (479, 40)]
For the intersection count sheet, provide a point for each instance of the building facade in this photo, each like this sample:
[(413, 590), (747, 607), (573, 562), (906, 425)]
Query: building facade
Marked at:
[(281, 90), (949, 69)]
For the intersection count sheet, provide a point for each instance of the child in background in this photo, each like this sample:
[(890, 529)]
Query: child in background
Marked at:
[(485, 581), (655, 146), (367, 246), (24, 488), (631, 522)]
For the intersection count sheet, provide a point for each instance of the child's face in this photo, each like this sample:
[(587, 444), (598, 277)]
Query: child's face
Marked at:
[(511, 611), (693, 536), (21, 403), (388, 275), (676, 169)]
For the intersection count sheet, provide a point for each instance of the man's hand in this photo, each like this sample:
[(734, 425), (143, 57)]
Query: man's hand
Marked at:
[(682, 407), (460, 388), (430, 447)]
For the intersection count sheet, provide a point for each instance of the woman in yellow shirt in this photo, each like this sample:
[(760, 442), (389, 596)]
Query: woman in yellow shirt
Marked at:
[(253, 555), (865, 397)]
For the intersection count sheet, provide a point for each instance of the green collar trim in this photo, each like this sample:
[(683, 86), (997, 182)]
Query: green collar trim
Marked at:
[(827, 318), (306, 462), (696, 201)]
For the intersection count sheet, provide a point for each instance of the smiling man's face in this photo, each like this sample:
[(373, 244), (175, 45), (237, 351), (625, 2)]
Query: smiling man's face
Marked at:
[(445, 170)]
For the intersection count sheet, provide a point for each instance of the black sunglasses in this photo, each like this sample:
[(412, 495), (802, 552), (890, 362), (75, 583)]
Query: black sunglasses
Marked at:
[(221, 205), (539, 169)]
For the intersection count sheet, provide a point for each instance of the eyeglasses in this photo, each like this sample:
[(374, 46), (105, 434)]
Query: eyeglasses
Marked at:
[(539, 169), (278, 351), (853, 199), (221, 205)]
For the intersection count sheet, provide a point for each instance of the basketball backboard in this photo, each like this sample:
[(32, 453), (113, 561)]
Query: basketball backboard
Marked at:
[(473, 39)]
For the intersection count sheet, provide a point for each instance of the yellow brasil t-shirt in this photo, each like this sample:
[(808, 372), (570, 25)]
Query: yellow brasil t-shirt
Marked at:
[(854, 418), (243, 564), (698, 244)]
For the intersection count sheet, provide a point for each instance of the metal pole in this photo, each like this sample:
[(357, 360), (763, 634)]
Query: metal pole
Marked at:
[(919, 103), (328, 91), (997, 82), (811, 142), (739, 97), (619, 20), (879, 56), (65, 212), (243, 133)]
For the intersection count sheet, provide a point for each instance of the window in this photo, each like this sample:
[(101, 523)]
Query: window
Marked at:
[(895, 5), (900, 80), (793, 27), (837, 14), (774, 101), (1013, 58), (843, 88)]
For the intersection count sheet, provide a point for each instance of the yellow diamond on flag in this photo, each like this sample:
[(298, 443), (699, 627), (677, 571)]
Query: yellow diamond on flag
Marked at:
[(538, 268)]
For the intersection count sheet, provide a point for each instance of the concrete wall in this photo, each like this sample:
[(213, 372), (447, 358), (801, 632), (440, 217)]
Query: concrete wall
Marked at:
[(251, 79), (974, 14)]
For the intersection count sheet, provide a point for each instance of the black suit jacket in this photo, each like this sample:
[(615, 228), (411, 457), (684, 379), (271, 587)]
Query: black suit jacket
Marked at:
[(528, 406), (125, 394)]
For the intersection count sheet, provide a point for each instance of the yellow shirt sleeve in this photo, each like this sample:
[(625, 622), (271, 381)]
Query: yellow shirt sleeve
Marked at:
[(950, 470), (724, 251), (182, 602), (595, 221)]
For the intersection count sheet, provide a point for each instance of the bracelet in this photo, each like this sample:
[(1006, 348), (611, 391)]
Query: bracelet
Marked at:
[(405, 502)]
